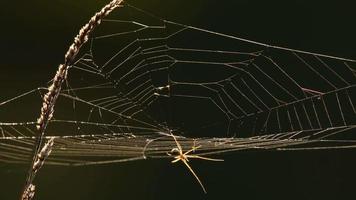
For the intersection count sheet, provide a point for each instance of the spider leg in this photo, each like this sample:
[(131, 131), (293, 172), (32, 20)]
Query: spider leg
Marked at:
[(188, 152), (177, 143), (193, 149), (175, 160), (203, 158), (196, 177)]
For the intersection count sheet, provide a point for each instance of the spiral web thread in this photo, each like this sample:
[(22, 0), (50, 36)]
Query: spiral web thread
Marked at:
[(140, 78)]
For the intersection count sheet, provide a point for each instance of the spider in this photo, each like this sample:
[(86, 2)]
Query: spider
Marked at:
[(184, 157)]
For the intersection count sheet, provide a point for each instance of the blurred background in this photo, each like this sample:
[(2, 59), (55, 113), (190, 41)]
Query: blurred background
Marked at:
[(36, 34)]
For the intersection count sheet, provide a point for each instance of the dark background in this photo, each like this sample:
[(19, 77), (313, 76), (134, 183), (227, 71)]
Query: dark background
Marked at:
[(36, 34)]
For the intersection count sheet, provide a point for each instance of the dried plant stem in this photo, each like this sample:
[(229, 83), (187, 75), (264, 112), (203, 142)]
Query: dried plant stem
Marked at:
[(49, 99), (42, 155), (29, 192)]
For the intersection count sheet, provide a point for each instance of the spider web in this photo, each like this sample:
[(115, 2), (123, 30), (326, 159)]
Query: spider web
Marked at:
[(141, 78)]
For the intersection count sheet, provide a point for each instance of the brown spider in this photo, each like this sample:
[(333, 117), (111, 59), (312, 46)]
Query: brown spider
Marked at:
[(184, 157)]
